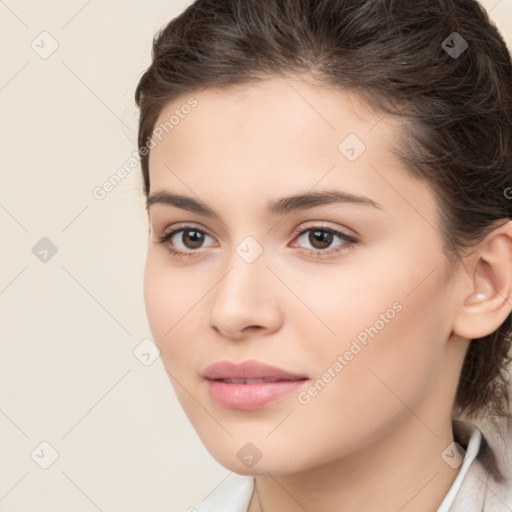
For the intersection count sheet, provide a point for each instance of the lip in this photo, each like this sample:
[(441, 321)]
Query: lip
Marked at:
[(249, 395), (248, 370)]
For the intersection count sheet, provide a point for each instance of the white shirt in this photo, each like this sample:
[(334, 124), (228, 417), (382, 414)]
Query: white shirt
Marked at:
[(469, 491)]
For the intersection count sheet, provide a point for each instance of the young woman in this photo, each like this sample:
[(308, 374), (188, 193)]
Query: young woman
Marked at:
[(329, 271)]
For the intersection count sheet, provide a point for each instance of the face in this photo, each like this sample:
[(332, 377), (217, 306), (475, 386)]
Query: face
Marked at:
[(350, 294)]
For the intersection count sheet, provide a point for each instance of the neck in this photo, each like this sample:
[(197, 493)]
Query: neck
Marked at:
[(401, 471)]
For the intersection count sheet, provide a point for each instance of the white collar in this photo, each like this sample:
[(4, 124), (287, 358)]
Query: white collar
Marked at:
[(472, 450)]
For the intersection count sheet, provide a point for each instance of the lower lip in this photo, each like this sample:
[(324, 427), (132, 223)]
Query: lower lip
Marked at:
[(250, 396)]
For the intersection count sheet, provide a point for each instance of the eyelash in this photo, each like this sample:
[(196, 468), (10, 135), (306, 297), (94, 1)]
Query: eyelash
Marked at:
[(350, 241)]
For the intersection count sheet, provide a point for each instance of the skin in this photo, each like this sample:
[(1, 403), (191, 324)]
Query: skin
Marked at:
[(372, 438)]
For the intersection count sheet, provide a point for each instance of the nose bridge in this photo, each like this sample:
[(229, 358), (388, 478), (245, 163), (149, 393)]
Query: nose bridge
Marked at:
[(246, 266), (241, 297)]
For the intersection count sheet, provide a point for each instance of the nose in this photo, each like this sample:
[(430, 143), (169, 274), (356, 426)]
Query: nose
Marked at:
[(245, 301)]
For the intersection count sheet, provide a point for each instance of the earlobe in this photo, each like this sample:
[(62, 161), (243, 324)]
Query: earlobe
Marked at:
[(489, 302)]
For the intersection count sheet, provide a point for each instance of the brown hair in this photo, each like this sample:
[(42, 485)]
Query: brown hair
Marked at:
[(404, 59)]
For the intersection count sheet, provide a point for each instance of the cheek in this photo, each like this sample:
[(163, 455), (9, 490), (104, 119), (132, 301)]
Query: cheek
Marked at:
[(343, 305), (365, 399), (172, 299), (168, 298), (156, 299), (389, 334)]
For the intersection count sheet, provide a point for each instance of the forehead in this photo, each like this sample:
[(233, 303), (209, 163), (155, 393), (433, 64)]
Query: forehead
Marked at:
[(245, 116), (278, 136)]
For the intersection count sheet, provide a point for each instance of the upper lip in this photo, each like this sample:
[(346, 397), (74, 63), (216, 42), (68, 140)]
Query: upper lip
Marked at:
[(248, 370)]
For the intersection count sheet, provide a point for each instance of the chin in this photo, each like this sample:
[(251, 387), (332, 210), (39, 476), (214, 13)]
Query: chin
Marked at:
[(247, 459)]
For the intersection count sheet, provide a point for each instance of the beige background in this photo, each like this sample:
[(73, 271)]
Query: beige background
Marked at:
[(69, 326)]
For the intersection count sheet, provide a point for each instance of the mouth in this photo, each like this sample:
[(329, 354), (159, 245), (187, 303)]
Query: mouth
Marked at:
[(249, 381), (249, 385), (248, 370)]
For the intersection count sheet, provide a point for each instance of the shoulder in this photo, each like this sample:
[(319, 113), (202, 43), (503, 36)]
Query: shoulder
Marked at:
[(232, 495)]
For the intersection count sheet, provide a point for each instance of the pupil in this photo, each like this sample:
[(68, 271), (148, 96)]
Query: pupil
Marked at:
[(195, 240), (325, 240)]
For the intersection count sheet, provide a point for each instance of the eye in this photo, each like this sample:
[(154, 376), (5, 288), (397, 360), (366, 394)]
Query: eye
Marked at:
[(191, 238), (322, 237)]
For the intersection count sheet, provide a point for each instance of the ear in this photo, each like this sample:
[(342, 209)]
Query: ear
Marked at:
[(489, 302)]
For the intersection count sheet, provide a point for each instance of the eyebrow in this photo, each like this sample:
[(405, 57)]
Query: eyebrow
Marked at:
[(280, 206)]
